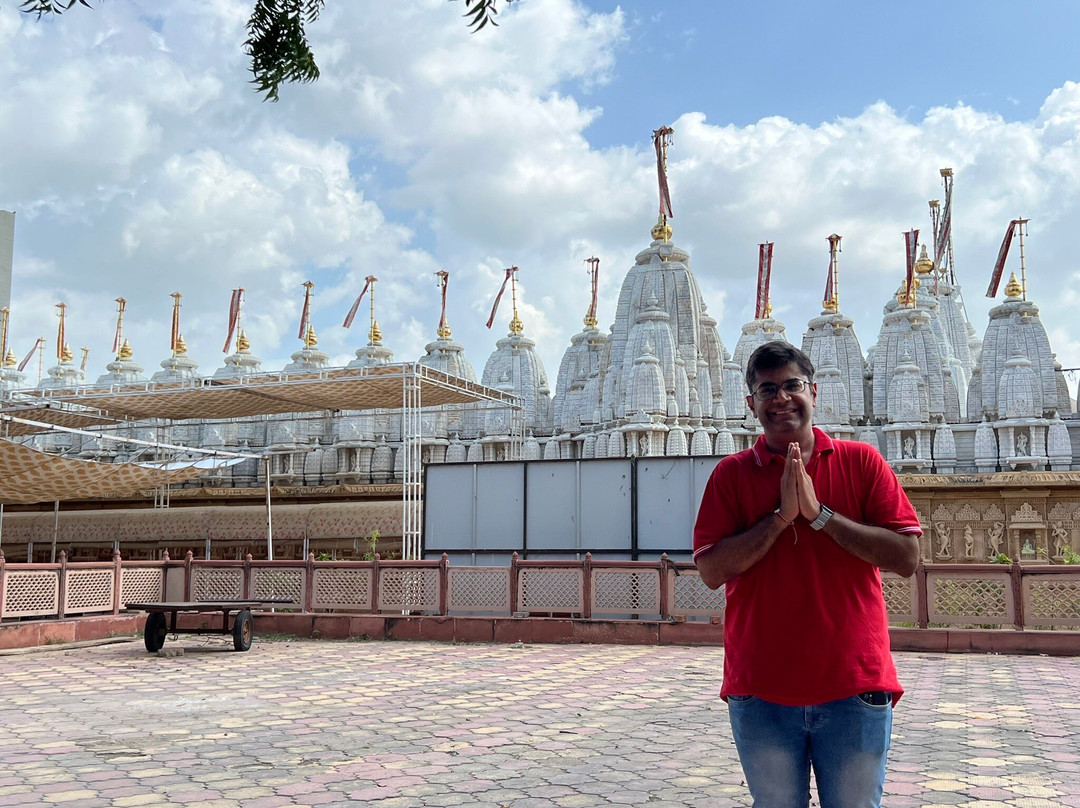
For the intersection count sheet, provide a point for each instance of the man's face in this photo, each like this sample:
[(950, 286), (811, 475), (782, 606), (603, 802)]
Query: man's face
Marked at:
[(787, 412)]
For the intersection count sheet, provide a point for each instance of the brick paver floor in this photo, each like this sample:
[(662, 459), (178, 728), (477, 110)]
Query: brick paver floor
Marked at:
[(395, 724)]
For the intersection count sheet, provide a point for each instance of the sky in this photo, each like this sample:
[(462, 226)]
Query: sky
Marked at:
[(139, 162)]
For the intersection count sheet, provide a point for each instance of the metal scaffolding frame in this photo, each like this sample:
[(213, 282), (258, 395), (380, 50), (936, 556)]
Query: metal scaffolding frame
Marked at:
[(334, 389)]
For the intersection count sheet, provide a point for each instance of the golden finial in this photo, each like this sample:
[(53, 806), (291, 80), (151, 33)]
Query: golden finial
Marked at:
[(181, 346), (902, 296), (9, 360), (661, 230), (125, 351), (444, 331), (924, 265), (768, 310), (242, 342), (65, 353), (830, 306), (1013, 288), (310, 340), (375, 335)]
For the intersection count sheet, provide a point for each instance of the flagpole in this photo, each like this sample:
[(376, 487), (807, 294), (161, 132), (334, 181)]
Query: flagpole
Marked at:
[(1021, 223)]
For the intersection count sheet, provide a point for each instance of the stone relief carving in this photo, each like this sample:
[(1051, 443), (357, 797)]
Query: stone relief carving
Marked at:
[(1022, 444), (943, 550), (968, 513), (1026, 514), (1061, 540), (994, 534), (969, 542), (994, 514), (941, 514), (1062, 511)]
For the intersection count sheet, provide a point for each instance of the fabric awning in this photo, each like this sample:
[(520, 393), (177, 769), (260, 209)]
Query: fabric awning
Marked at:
[(380, 387), (28, 476)]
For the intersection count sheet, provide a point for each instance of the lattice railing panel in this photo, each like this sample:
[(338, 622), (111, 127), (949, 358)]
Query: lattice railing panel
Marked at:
[(955, 598), (348, 589), (140, 585), (901, 598), (217, 584), (551, 590), (620, 591), (31, 593), (1052, 600), (478, 589), (408, 590), (690, 596), (89, 591), (277, 584)]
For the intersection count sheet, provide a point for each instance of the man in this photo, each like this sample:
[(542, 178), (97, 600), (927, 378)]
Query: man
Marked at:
[(797, 528)]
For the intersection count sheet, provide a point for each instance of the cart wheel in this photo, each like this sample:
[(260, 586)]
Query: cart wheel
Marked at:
[(243, 631), (155, 631)]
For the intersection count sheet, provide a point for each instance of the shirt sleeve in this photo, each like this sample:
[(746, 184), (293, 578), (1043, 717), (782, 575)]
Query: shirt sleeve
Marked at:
[(718, 512), (886, 503)]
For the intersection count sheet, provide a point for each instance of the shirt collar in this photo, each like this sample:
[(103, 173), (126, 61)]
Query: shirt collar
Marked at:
[(762, 454)]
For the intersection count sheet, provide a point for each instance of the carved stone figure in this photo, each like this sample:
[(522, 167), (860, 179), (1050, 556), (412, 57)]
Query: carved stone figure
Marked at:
[(1061, 539), (969, 542), (944, 550), (909, 446), (993, 537), (1021, 444)]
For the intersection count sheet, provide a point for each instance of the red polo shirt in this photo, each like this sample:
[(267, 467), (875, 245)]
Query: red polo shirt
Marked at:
[(807, 623)]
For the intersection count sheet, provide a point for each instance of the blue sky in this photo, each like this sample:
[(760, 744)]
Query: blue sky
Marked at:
[(814, 62), (140, 163)]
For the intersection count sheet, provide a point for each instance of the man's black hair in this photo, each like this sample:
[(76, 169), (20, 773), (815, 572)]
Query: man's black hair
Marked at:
[(775, 354)]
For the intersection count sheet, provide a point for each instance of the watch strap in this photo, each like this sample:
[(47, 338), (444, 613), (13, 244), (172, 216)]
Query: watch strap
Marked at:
[(823, 516)]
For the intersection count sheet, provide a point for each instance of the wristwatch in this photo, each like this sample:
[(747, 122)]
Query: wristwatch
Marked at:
[(822, 518)]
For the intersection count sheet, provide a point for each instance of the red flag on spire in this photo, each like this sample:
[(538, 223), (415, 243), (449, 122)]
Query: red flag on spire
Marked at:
[(764, 274), (29, 356), (911, 244), (1003, 253), (444, 280), (234, 316), (305, 313), (660, 142), (352, 312), (498, 297)]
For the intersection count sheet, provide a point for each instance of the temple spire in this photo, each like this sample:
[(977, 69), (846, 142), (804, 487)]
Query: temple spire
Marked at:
[(594, 274)]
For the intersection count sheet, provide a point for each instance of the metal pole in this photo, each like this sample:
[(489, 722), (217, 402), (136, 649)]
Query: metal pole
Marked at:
[(1, 524), (269, 515), (55, 530)]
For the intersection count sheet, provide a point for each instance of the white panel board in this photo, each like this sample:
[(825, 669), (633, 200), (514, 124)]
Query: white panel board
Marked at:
[(668, 494)]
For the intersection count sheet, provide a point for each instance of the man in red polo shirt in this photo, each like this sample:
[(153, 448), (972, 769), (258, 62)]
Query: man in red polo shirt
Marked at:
[(797, 527)]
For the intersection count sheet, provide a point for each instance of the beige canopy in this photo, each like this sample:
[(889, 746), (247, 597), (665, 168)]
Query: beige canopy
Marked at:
[(382, 387), (30, 476)]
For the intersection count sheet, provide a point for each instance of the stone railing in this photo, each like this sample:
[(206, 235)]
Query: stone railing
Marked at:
[(983, 596)]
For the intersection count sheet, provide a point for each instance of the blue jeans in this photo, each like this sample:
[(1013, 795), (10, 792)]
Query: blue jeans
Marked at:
[(845, 742)]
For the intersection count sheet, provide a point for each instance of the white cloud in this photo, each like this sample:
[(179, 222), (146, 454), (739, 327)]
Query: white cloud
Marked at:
[(141, 164)]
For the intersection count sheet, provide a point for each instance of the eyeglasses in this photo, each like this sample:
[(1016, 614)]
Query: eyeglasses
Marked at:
[(767, 392)]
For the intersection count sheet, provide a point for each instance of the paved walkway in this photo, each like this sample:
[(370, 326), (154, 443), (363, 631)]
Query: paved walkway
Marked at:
[(523, 726)]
